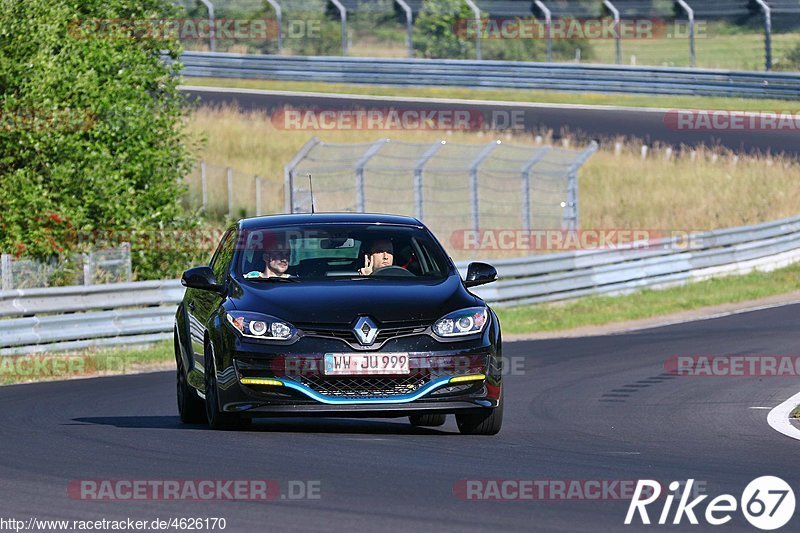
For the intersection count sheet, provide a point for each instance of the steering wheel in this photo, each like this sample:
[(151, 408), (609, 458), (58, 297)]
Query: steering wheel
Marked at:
[(392, 270)]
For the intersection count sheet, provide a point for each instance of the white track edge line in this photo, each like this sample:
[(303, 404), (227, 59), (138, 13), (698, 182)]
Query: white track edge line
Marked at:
[(778, 418)]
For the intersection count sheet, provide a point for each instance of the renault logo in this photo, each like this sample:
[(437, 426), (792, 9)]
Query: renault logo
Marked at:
[(365, 330)]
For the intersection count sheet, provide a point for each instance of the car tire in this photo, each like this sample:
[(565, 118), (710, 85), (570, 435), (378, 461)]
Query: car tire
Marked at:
[(427, 420), (488, 423), (191, 408), (217, 420)]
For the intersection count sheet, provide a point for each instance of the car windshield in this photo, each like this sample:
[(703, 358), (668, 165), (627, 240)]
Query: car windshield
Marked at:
[(336, 252)]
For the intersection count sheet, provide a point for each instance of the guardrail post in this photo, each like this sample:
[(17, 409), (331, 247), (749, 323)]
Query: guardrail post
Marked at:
[(476, 12), (229, 171), (5, 268), (288, 174), (409, 26), (767, 32), (571, 214), (258, 196), (473, 182), (279, 17), (212, 37), (360, 164), (617, 37), (548, 21), (690, 14), (343, 16), (526, 185), (419, 197), (204, 185)]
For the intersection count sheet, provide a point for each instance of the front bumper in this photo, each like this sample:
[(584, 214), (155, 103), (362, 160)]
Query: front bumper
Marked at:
[(259, 380)]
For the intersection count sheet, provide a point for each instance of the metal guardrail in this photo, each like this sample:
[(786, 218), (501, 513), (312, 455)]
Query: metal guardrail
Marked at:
[(65, 318), (496, 74)]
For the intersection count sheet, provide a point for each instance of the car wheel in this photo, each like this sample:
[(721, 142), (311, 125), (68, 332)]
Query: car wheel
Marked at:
[(488, 423), (190, 407), (427, 420), (216, 418)]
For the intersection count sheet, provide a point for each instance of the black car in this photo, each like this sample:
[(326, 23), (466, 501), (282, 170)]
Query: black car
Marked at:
[(341, 314)]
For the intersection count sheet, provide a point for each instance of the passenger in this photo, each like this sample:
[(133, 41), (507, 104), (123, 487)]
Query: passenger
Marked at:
[(276, 263), (380, 255)]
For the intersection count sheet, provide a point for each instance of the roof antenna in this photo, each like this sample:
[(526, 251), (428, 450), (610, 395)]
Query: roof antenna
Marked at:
[(311, 188)]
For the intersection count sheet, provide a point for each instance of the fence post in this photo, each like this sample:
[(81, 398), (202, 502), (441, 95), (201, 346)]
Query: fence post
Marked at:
[(212, 40), (476, 12), (88, 268), (7, 275), (258, 196), (360, 164), (409, 26), (229, 171), (343, 17), (548, 21), (126, 248), (288, 174), (617, 38), (690, 14), (526, 185), (279, 17), (419, 196), (767, 32), (571, 214), (473, 182), (204, 184)]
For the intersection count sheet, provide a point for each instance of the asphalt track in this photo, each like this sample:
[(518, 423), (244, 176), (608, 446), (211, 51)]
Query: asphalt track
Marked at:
[(597, 408), (587, 122)]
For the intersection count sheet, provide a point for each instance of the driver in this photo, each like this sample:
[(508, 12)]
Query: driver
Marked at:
[(380, 255)]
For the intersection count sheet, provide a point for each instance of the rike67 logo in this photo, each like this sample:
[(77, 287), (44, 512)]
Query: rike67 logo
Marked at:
[(767, 503)]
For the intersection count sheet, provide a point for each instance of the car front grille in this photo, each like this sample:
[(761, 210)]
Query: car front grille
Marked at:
[(364, 387)]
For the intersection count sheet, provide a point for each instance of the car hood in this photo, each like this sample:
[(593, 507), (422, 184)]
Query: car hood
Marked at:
[(343, 301)]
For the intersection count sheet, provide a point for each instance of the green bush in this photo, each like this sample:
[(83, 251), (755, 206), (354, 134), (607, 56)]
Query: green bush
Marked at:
[(92, 136), (436, 30)]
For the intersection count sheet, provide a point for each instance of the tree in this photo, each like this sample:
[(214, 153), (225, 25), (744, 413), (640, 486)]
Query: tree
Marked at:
[(92, 137)]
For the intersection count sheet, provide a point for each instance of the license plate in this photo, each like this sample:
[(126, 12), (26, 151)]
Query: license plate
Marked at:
[(363, 364)]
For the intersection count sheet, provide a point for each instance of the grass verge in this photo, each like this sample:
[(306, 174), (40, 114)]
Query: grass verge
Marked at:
[(600, 310), (795, 413), (506, 95), (85, 363)]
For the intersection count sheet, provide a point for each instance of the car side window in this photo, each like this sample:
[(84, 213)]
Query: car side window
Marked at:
[(223, 256)]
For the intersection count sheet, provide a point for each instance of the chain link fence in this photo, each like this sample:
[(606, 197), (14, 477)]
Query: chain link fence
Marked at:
[(111, 265), (452, 187)]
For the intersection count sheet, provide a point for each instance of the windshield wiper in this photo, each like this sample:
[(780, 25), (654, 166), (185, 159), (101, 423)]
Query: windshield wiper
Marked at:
[(274, 278)]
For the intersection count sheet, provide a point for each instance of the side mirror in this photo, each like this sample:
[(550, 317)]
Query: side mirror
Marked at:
[(202, 278), (479, 274)]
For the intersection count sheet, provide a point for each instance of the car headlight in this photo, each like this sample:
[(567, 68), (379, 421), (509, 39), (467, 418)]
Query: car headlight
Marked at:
[(258, 326), (462, 322)]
